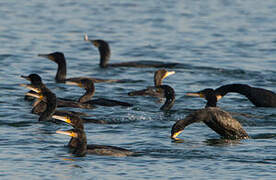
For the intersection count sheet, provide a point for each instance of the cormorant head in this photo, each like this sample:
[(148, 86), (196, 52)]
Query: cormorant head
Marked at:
[(57, 57), (100, 43), (169, 95), (161, 74), (208, 94), (205, 93), (177, 128), (87, 84), (103, 49), (35, 79), (74, 121)]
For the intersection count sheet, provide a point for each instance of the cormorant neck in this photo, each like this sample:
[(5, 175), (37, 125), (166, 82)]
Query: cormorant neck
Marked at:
[(88, 94), (39, 106), (73, 142), (170, 97), (211, 102), (104, 55), (157, 80), (51, 101), (168, 104), (81, 148), (37, 84), (237, 88), (61, 72)]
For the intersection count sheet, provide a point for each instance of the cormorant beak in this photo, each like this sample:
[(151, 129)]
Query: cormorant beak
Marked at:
[(26, 77), (168, 73), (68, 133), (174, 135), (86, 37), (62, 118), (92, 41), (74, 83), (29, 86), (48, 56), (218, 97), (38, 96), (195, 94)]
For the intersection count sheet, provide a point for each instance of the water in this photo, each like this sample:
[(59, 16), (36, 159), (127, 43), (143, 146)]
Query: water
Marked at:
[(218, 42)]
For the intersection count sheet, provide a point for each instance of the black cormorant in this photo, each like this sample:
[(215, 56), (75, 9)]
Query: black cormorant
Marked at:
[(81, 148), (88, 85), (104, 51), (79, 144), (215, 118), (76, 122), (58, 57)]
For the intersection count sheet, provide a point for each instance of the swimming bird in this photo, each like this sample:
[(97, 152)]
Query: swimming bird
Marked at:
[(76, 122), (258, 96), (105, 53), (79, 145), (81, 148), (159, 75), (59, 59), (218, 120), (89, 87)]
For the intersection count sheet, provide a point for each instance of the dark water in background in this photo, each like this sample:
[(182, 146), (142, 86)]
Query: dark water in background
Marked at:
[(218, 42)]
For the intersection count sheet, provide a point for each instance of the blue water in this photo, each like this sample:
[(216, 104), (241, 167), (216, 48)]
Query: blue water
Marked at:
[(218, 42)]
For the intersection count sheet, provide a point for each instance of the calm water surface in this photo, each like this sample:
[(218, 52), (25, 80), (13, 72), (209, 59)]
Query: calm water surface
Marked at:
[(218, 42)]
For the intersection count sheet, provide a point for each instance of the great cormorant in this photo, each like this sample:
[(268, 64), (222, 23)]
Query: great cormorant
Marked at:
[(89, 87), (78, 142), (218, 120), (59, 58), (105, 52)]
